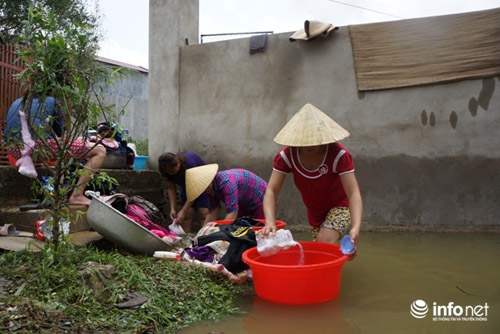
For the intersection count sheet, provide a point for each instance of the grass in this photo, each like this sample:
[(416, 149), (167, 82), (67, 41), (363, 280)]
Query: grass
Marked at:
[(46, 292)]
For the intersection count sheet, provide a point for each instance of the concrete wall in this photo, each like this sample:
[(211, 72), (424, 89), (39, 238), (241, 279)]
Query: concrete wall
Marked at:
[(131, 93), (172, 23), (424, 156)]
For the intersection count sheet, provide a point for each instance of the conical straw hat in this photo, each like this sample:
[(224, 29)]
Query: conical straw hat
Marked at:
[(310, 127), (311, 30), (198, 179)]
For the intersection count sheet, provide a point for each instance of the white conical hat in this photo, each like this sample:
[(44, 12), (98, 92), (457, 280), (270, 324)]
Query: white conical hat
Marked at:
[(198, 179), (310, 127)]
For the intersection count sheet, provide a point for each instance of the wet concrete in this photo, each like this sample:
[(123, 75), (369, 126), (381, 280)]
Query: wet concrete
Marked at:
[(403, 192), (15, 189), (391, 271), (455, 192)]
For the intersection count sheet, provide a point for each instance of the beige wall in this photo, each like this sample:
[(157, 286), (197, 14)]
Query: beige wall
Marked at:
[(417, 167), (411, 172), (172, 23)]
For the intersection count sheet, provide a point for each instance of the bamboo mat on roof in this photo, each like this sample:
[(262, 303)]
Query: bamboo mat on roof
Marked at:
[(426, 50)]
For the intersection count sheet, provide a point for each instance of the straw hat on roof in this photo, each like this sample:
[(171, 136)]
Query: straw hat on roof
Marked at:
[(311, 30), (198, 179), (310, 127)]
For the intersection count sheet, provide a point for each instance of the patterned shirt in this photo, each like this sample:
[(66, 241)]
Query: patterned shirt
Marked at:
[(240, 190)]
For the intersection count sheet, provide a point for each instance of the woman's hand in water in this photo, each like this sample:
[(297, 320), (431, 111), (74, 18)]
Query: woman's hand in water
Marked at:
[(269, 228), (354, 234)]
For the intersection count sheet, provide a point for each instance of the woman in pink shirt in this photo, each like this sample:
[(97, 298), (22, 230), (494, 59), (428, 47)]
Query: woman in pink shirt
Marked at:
[(323, 172)]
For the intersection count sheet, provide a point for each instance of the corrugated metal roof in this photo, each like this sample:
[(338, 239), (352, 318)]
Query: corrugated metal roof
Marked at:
[(121, 64)]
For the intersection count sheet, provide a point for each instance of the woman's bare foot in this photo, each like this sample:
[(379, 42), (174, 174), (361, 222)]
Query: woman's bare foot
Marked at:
[(79, 200)]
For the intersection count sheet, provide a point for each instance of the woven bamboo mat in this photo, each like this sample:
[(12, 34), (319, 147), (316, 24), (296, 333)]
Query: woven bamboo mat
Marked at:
[(426, 50)]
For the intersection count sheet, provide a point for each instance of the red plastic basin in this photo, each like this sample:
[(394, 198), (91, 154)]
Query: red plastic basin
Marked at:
[(280, 278), (279, 224)]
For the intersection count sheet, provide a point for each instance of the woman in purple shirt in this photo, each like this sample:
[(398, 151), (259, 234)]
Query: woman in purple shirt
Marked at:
[(241, 191), (173, 167)]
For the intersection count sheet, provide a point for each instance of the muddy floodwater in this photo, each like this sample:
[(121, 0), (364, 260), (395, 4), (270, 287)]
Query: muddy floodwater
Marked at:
[(457, 276)]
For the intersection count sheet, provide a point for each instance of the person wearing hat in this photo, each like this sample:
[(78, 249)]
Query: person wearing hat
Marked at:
[(241, 191), (173, 167), (323, 172)]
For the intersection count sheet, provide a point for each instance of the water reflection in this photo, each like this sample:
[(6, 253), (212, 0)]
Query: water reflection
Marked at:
[(262, 317), (391, 271), (266, 317)]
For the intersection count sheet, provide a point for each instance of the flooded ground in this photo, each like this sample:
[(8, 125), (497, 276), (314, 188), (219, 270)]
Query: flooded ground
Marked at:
[(391, 272)]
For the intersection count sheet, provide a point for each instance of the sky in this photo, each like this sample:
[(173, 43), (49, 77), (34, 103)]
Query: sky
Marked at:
[(125, 23)]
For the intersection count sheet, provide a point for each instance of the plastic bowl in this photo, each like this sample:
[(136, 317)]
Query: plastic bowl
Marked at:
[(280, 278), (279, 224), (346, 245)]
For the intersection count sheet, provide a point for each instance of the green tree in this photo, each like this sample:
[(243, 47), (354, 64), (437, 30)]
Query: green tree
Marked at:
[(59, 57), (14, 14)]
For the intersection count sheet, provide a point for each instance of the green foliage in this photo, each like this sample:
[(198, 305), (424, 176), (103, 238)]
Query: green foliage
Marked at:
[(14, 14), (102, 179), (141, 146), (59, 56), (45, 291)]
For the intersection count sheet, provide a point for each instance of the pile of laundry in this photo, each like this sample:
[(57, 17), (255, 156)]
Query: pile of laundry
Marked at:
[(220, 247), (145, 214)]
